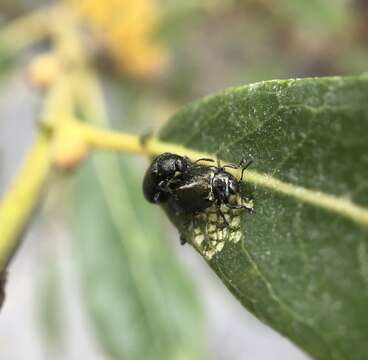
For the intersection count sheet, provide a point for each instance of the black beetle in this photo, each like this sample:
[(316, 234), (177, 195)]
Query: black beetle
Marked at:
[(161, 172), (189, 187), (190, 193), (201, 186)]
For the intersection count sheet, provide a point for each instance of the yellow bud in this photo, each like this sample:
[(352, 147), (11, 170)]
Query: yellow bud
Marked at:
[(44, 70), (69, 149), (127, 28)]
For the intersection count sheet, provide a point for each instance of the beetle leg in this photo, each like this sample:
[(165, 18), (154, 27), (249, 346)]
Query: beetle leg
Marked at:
[(165, 186), (156, 197), (244, 167), (188, 223), (219, 212), (235, 207), (232, 166), (183, 240), (244, 164)]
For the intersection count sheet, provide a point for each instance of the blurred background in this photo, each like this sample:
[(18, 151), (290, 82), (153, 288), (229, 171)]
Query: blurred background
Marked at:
[(101, 274)]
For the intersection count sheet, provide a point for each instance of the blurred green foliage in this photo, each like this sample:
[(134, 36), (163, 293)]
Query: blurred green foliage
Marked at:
[(51, 308), (140, 300)]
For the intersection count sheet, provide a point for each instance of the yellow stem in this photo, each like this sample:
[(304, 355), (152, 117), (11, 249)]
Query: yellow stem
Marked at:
[(113, 141), (17, 206), (29, 29), (19, 202), (108, 140)]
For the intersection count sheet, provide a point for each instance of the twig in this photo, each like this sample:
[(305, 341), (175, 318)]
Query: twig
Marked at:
[(17, 206)]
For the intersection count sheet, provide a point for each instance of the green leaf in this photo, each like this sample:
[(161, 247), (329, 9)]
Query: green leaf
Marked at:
[(7, 59), (302, 263), (315, 15), (51, 307), (140, 301)]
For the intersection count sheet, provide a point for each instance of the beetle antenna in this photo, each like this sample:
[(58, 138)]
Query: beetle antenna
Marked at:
[(218, 155), (203, 159), (247, 164), (231, 166)]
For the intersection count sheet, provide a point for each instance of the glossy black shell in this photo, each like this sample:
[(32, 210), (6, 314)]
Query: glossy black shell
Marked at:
[(191, 192), (162, 170)]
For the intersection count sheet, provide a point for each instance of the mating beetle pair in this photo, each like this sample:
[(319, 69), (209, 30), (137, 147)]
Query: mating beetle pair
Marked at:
[(190, 188)]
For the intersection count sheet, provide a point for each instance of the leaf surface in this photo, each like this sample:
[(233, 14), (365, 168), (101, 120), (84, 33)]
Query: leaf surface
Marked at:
[(302, 263)]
